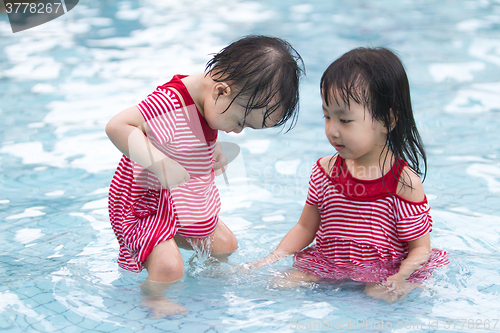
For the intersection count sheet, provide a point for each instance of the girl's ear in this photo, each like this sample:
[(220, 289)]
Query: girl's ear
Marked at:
[(220, 89), (394, 120), (392, 124)]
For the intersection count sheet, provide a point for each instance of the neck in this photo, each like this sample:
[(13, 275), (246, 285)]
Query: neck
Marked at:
[(371, 167), (198, 86)]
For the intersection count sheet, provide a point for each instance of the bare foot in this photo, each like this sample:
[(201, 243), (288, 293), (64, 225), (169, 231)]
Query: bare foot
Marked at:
[(156, 300), (388, 294), (161, 307)]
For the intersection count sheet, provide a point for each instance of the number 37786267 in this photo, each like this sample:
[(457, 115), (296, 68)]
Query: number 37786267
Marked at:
[(32, 8)]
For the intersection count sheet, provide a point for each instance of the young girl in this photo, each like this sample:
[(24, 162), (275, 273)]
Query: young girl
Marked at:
[(163, 193), (366, 206)]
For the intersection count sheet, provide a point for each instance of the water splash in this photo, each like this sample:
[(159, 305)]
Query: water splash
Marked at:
[(202, 262)]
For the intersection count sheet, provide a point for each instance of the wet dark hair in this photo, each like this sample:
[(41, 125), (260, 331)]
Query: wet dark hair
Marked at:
[(376, 78), (264, 72)]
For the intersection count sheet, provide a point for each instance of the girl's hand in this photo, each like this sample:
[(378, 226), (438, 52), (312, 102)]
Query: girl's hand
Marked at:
[(170, 173), (270, 259), (394, 289), (301, 235), (220, 159), (395, 284)]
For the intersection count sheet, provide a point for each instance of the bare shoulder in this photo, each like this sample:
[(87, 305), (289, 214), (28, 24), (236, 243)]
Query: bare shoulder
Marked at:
[(327, 162), (410, 186)]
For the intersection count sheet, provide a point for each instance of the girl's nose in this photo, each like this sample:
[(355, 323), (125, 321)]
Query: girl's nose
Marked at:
[(332, 131)]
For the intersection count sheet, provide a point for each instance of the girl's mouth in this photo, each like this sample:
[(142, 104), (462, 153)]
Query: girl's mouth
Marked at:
[(338, 147)]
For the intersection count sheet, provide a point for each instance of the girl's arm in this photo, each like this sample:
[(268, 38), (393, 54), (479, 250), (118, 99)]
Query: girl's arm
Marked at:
[(419, 249), (220, 158), (127, 132), (396, 287), (300, 236), (419, 252)]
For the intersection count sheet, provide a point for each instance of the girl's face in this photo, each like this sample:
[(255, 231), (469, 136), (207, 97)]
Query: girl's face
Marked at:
[(233, 119), (353, 132)]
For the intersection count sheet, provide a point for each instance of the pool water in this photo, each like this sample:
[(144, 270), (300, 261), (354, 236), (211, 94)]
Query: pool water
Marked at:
[(61, 82)]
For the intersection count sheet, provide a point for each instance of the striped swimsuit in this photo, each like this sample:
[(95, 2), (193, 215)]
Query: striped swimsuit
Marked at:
[(365, 227), (142, 213)]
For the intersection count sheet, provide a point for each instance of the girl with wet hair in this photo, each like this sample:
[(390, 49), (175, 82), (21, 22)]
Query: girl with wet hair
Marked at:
[(163, 195), (366, 207)]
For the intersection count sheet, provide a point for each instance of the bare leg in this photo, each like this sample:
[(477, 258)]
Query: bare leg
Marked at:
[(182, 242), (294, 278), (164, 263), (224, 243), (165, 267)]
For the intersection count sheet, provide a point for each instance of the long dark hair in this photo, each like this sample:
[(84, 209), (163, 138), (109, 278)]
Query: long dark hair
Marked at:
[(376, 78), (265, 73)]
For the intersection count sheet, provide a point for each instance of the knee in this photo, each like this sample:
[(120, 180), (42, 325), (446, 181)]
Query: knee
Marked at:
[(164, 263), (166, 271), (232, 244), (225, 241), (225, 247)]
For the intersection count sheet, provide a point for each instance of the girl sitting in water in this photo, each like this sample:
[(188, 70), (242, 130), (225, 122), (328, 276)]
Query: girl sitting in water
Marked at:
[(163, 194), (366, 205)]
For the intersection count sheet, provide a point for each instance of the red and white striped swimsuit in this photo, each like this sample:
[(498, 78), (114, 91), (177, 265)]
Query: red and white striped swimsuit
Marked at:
[(365, 227), (142, 213)]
